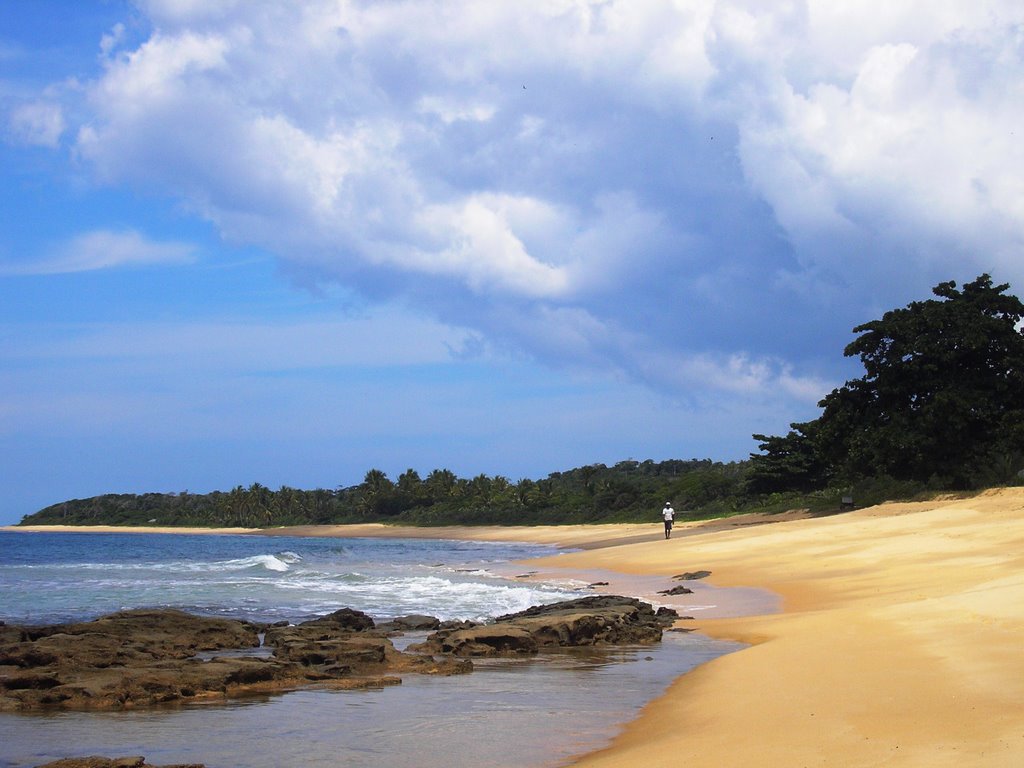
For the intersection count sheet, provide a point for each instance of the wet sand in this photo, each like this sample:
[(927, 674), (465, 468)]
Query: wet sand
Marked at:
[(570, 536)]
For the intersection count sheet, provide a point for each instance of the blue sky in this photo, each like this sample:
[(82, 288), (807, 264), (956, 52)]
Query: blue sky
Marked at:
[(249, 241)]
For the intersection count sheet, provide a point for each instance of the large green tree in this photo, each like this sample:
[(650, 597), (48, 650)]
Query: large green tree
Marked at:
[(941, 400), (789, 463)]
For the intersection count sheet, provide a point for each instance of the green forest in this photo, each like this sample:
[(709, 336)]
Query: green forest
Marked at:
[(939, 407)]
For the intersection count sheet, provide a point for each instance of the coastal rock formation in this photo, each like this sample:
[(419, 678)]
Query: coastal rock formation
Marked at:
[(94, 761), (167, 633), (347, 642), (595, 620), (677, 590), (412, 623), (148, 657)]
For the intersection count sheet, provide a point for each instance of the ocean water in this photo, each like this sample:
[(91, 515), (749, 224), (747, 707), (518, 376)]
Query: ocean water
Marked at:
[(54, 577), (533, 713)]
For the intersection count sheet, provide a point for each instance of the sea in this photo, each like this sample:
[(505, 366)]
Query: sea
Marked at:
[(534, 713)]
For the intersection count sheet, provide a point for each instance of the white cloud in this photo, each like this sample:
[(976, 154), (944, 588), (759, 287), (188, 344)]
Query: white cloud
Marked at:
[(188, 11), (104, 250), (451, 110), (41, 123), (160, 69), (906, 145), (483, 247), (575, 174), (110, 41)]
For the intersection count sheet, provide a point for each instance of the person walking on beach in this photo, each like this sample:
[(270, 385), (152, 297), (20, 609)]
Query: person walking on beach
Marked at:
[(667, 514)]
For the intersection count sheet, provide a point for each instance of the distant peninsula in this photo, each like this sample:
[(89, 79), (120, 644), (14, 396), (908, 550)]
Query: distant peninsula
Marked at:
[(629, 491)]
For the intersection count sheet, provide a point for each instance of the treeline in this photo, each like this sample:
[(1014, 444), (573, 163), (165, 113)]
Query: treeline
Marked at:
[(628, 491)]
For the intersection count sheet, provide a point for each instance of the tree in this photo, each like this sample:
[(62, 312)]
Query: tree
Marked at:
[(479, 488), (789, 463), (941, 400), (261, 504), (322, 499), (441, 484), (376, 481), (409, 482), (378, 494)]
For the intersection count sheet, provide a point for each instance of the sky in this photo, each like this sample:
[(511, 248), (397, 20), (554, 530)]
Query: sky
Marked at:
[(250, 241)]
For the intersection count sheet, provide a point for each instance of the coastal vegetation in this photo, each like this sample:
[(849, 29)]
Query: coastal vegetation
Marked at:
[(940, 407), (940, 404), (627, 491)]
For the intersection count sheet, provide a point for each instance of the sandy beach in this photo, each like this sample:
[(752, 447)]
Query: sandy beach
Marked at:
[(900, 640)]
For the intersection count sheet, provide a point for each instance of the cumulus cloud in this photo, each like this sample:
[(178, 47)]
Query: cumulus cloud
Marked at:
[(104, 250), (712, 188), (903, 144)]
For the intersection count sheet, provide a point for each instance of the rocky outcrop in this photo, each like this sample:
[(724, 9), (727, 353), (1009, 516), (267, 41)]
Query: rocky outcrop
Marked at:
[(148, 657), (412, 623), (345, 619), (144, 658), (677, 590), (347, 642), (596, 620), (164, 633), (111, 762)]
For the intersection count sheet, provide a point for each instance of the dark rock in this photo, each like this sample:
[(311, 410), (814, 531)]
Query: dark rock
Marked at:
[(353, 651), (594, 620), (692, 575), (111, 762), (411, 623), (484, 640), (346, 618), (457, 624), (680, 590), (26, 656), (666, 615), (35, 682), (144, 658)]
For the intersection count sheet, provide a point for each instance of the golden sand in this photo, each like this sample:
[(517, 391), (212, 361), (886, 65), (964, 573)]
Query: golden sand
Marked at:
[(900, 642)]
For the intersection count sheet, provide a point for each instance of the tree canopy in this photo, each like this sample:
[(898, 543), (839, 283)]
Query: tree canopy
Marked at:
[(626, 491), (941, 400)]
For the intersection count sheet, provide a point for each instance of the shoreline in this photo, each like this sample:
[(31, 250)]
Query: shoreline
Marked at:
[(898, 642), (565, 536), (707, 602)]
